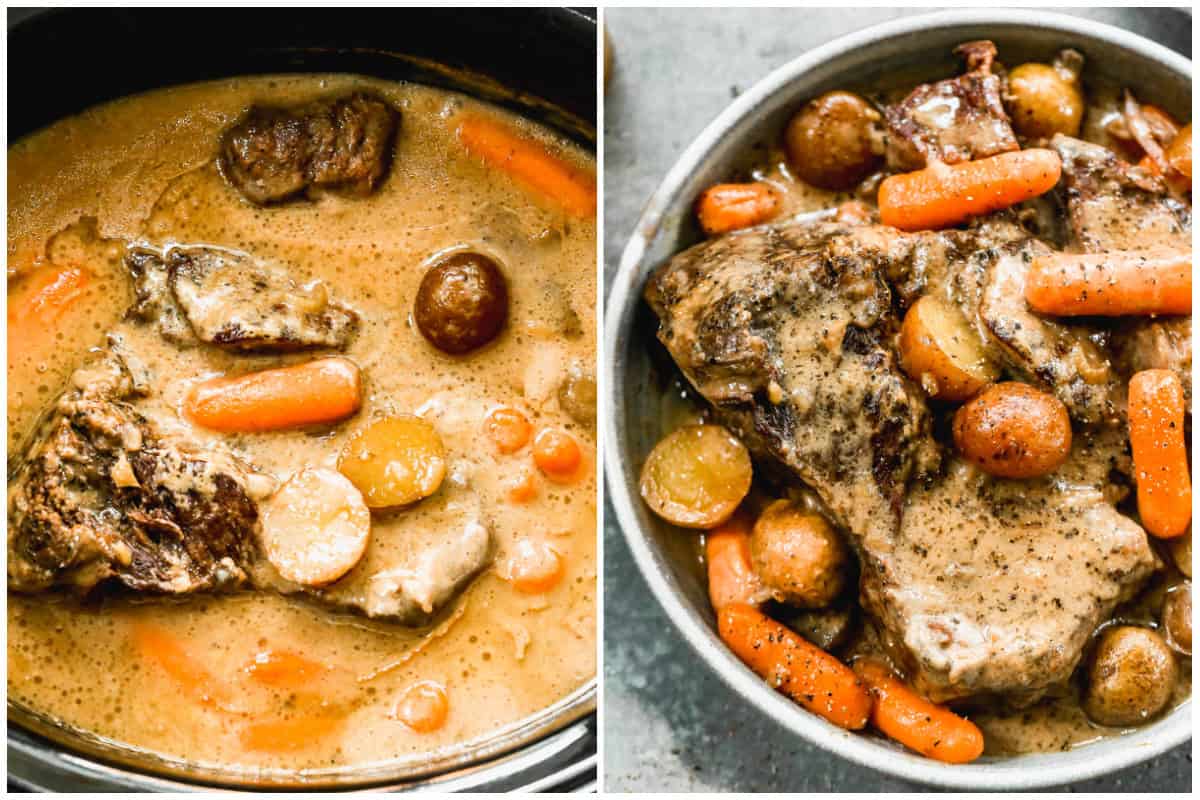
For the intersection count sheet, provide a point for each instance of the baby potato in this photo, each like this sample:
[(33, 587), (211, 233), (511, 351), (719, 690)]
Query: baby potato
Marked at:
[(1131, 677), (577, 396), (827, 628), (1012, 430), (395, 461), (697, 476), (1181, 552), (939, 350), (1177, 618), (1044, 100), (830, 143), (315, 528), (798, 556)]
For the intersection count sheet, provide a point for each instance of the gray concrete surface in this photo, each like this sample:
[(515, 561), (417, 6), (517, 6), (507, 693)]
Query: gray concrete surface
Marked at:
[(670, 724)]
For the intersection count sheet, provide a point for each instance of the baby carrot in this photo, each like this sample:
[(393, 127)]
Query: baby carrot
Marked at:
[(731, 576), (1113, 284), (1164, 487), (283, 669), (320, 391), (159, 647), (905, 716), (508, 428), (729, 206), (803, 672), (38, 301), (529, 163), (941, 195)]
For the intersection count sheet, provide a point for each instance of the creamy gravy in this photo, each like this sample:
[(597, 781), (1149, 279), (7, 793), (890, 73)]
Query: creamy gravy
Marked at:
[(143, 168)]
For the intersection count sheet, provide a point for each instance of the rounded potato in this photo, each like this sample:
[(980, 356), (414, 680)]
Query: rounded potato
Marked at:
[(1044, 100), (577, 396), (395, 461), (696, 476), (1013, 430), (798, 556), (462, 303), (939, 350), (1181, 552), (831, 142), (1131, 677), (1177, 618)]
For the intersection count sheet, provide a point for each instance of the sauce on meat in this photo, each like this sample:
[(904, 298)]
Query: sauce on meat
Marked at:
[(143, 168)]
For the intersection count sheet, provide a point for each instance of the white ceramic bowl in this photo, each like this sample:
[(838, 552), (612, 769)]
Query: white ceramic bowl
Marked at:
[(633, 386)]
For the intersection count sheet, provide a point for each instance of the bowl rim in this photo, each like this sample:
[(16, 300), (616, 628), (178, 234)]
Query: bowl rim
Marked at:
[(1024, 772)]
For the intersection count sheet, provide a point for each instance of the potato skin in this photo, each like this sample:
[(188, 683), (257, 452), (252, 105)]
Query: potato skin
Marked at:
[(1012, 430), (1131, 677), (1177, 618), (697, 476), (937, 349), (1042, 101), (462, 303), (798, 556), (830, 142), (1181, 552)]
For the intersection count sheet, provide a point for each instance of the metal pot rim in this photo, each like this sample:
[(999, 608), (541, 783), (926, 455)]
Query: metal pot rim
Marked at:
[(670, 202)]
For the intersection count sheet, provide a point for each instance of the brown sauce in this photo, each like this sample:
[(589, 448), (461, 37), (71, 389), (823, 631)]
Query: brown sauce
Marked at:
[(143, 168)]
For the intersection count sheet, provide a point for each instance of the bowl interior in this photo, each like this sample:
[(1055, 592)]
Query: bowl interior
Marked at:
[(639, 371)]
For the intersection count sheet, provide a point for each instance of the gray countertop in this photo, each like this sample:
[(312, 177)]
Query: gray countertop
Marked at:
[(670, 723)]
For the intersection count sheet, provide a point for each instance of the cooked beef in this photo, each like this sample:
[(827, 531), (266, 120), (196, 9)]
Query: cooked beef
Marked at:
[(345, 144), (993, 587), (1112, 205), (954, 120), (1155, 344), (105, 494), (786, 332), (233, 300)]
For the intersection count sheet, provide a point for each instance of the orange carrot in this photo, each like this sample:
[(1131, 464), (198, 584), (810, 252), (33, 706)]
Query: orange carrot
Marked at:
[(557, 454), (529, 163), (1117, 283), (903, 715), (523, 487), (941, 195), (320, 391), (38, 301), (297, 733), (729, 206), (1164, 486), (803, 672), (508, 428), (535, 567), (423, 707), (283, 669), (731, 576), (158, 646)]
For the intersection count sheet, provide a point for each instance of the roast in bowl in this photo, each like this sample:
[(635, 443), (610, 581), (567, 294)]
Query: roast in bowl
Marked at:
[(922, 363)]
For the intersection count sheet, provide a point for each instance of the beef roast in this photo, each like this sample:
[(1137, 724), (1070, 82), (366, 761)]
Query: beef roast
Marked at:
[(105, 494), (786, 332), (981, 586), (954, 120), (344, 144), (231, 299)]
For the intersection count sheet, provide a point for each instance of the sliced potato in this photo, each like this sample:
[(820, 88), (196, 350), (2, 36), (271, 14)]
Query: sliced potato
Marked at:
[(395, 461), (939, 350), (697, 476), (1012, 430), (316, 527)]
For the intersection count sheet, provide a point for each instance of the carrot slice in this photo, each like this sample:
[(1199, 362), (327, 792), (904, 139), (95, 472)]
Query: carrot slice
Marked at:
[(1164, 486), (557, 455), (903, 715), (731, 576), (321, 391), (535, 567), (508, 428), (529, 163), (423, 707), (941, 195), (1113, 284), (803, 672), (283, 669), (730, 206)]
